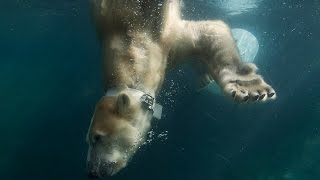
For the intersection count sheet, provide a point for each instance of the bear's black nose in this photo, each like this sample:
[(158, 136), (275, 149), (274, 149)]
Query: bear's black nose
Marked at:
[(96, 138)]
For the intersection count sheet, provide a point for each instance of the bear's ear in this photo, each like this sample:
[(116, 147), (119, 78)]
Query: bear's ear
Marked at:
[(123, 104)]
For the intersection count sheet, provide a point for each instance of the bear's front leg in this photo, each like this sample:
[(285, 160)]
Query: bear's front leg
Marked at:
[(212, 41)]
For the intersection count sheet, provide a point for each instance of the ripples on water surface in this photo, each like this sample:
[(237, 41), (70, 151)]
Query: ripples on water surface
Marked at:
[(234, 7)]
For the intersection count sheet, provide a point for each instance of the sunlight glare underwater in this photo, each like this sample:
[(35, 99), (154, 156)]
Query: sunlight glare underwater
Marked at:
[(234, 7)]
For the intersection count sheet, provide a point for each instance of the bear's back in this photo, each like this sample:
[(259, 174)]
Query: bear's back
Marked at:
[(128, 15)]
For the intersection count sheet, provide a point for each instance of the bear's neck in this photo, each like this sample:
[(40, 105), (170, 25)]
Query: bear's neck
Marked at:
[(134, 60)]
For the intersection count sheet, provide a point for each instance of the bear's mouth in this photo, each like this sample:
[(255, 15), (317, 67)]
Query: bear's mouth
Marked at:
[(98, 167)]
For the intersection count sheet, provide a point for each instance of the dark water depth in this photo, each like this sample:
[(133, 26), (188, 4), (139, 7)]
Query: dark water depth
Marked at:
[(50, 79)]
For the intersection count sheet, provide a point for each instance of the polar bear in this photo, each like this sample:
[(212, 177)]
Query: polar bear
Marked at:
[(140, 39)]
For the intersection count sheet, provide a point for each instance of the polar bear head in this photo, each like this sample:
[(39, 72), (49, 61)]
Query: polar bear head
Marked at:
[(118, 128)]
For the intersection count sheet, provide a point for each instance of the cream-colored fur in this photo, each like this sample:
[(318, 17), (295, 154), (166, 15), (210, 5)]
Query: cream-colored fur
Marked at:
[(139, 40)]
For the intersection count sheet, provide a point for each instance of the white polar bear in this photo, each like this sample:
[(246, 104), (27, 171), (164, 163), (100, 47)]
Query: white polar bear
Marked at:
[(140, 38)]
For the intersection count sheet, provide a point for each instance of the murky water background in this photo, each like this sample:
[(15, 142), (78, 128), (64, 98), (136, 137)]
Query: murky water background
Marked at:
[(50, 79)]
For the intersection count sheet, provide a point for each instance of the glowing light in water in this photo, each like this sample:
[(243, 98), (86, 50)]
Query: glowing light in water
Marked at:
[(247, 44)]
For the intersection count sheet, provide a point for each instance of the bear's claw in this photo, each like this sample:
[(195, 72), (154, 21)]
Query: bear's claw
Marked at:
[(246, 88)]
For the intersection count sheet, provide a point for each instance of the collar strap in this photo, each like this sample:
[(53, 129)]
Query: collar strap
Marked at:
[(147, 101)]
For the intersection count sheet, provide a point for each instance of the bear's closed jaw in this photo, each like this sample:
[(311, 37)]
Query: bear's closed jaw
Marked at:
[(102, 169), (99, 168)]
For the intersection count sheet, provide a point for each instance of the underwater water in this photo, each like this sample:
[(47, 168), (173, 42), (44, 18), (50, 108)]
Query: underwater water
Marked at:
[(50, 80)]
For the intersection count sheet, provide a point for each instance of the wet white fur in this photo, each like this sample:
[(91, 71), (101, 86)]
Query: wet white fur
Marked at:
[(137, 52)]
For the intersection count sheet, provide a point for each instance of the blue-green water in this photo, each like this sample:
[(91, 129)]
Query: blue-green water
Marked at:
[(50, 79)]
